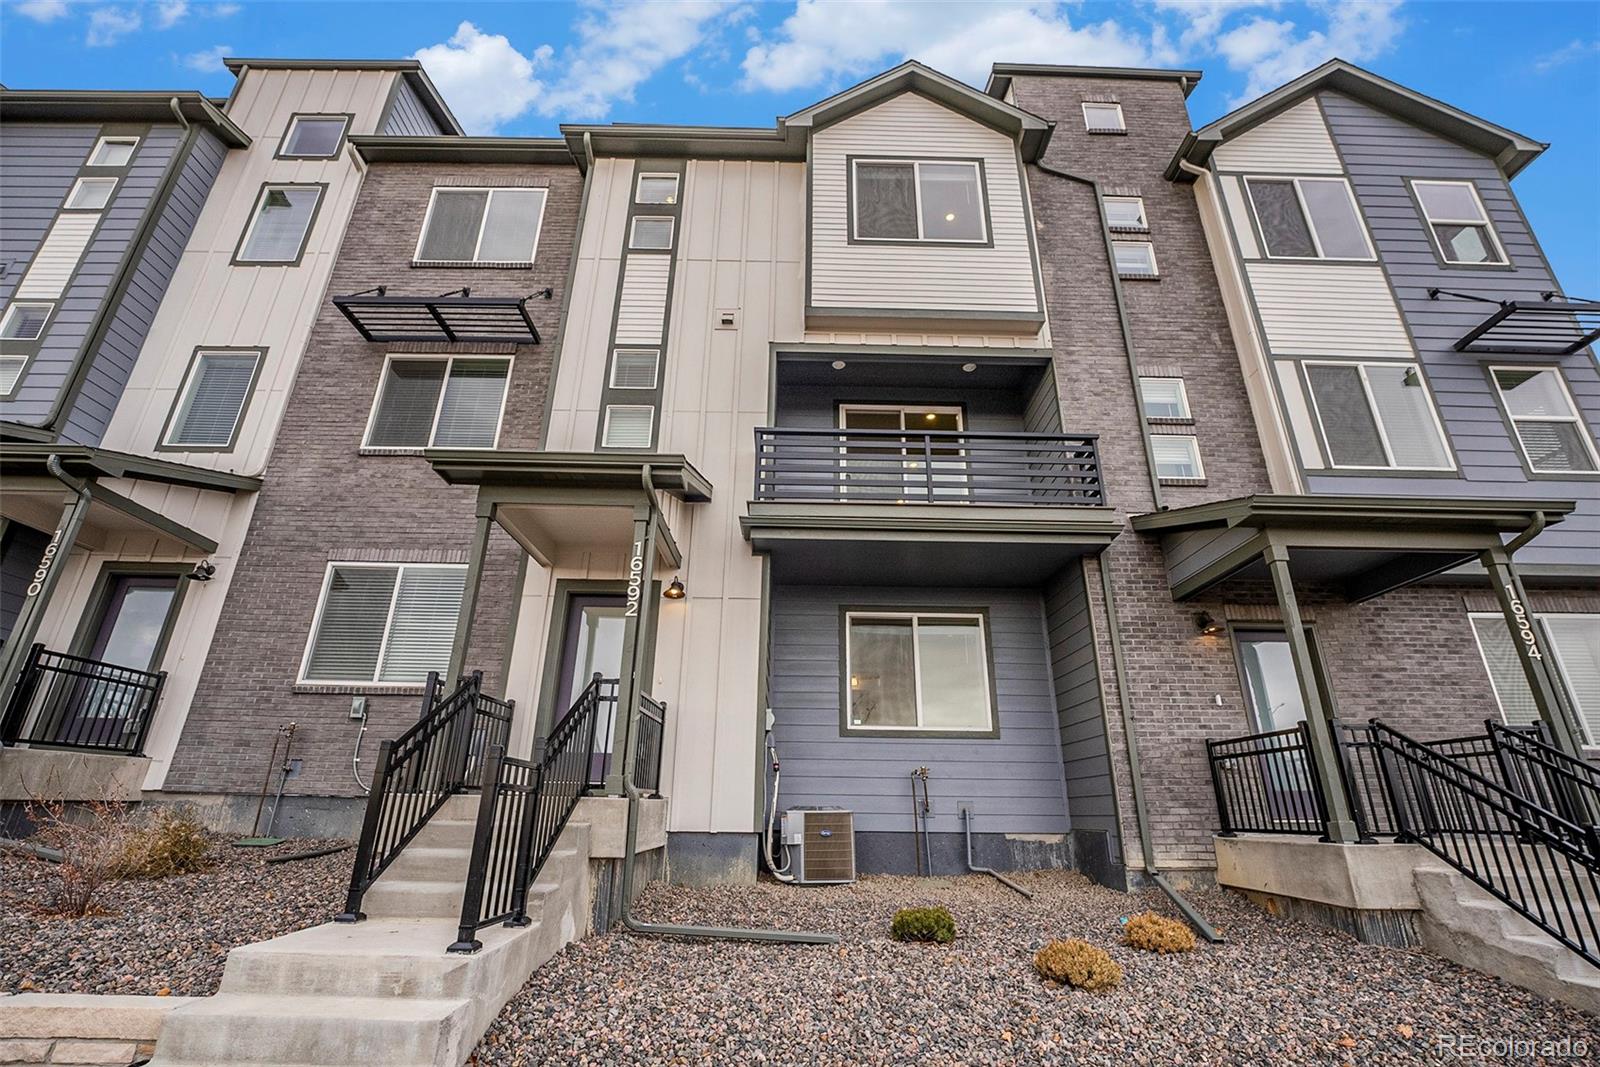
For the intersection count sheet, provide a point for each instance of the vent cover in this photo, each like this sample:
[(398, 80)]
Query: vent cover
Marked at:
[(827, 845)]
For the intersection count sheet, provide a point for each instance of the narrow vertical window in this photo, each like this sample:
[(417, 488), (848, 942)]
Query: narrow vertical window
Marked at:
[(212, 400), (280, 224)]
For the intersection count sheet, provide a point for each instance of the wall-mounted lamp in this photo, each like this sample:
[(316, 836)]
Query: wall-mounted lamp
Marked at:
[(203, 571), (838, 364), (1206, 624), (968, 368), (674, 590)]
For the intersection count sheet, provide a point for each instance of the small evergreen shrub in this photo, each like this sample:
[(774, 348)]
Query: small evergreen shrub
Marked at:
[(1157, 933), (172, 843), (1078, 964), (923, 924)]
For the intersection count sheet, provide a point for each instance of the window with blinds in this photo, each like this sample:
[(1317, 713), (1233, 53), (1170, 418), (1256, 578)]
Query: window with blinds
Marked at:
[(628, 426), (279, 226), (1574, 643), (213, 399), (442, 402), (11, 372), (481, 226), (634, 368), (1377, 416), (384, 623)]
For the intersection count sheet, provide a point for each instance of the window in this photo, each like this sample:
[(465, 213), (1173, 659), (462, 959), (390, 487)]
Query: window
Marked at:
[(443, 402), (282, 220), (1164, 398), (90, 194), (314, 137), (10, 372), (628, 426), (212, 399), (656, 189), (651, 231), (1545, 421), (1103, 118), (24, 322), (634, 368), (1136, 259), (917, 672), (1308, 218), (482, 226), (1126, 213), (384, 623), (1377, 415), (1573, 642), (113, 152), (1460, 225), (897, 200), (1177, 456)]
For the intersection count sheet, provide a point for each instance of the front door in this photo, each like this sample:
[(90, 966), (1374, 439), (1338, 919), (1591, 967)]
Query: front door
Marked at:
[(101, 706), (592, 645), (1272, 690)]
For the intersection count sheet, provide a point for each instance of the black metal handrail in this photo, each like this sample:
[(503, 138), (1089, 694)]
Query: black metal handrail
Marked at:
[(491, 728), (928, 467), (1537, 769), (648, 743), (524, 808), (65, 701), (1266, 783), (605, 729)]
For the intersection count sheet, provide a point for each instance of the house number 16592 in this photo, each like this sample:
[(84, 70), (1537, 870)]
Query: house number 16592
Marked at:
[(635, 579)]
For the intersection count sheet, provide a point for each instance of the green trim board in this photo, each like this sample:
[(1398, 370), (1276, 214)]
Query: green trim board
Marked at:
[(18, 459), (582, 471)]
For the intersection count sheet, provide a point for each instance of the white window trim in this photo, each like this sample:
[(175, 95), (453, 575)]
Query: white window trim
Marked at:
[(11, 310), (1122, 120), (1372, 407), (1305, 213), (183, 392), (438, 405), (1142, 226), (916, 187), (1555, 653), (1183, 397), (22, 365), (1199, 462), (433, 198), (388, 620), (1155, 268), (633, 233), (638, 185), (655, 378), (255, 217), (1486, 222), (1574, 417), (294, 122), (102, 142), (77, 186), (916, 671), (605, 429)]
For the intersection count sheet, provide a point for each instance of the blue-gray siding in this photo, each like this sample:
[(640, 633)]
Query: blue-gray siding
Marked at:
[(20, 551), (1014, 781), (1080, 712), (1380, 151), (407, 116)]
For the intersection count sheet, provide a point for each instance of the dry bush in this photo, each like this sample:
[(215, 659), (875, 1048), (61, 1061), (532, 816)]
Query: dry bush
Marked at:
[(172, 843), (1078, 964), (1157, 933), (923, 924), (92, 840)]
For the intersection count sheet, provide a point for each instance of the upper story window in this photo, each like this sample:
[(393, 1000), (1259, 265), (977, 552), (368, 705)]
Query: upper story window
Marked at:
[(628, 426), (113, 151), (651, 232), (90, 194), (1177, 457), (1546, 421), (917, 672), (1308, 218), (482, 226), (1459, 223), (384, 623), (442, 402), (212, 399), (918, 200), (656, 189), (24, 322), (279, 225), (314, 137), (1164, 398), (1377, 416), (1103, 118), (1126, 214), (1135, 259)]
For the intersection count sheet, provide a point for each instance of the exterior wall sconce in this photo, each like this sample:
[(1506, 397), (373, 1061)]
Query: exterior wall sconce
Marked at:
[(1206, 624), (203, 571), (674, 590)]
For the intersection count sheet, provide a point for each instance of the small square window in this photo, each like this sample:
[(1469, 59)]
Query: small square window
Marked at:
[(657, 189), (628, 426), (651, 231), (91, 194), (1126, 213), (1164, 398), (24, 322), (113, 152), (1177, 456), (1103, 118), (280, 225), (314, 137), (1135, 259), (634, 368)]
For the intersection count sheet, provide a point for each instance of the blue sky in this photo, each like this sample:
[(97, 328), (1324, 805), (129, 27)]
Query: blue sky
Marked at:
[(521, 68)]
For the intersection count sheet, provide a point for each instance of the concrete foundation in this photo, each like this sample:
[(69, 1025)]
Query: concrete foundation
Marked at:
[(298, 816), (896, 853), (69, 774), (711, 859)]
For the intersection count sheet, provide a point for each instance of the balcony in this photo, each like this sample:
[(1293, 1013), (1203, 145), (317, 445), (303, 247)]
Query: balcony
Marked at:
[(72, 702)]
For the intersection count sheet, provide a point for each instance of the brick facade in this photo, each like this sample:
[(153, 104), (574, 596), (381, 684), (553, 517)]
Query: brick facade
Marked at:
[(323, 500)]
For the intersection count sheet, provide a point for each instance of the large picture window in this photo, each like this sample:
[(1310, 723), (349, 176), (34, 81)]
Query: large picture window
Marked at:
[(280, 224), (384, 623), (1308, 218), (482, 226), (1545, 420), (918, 200), (917, 672), (1574, 642), (443, 402), (1377, 416)]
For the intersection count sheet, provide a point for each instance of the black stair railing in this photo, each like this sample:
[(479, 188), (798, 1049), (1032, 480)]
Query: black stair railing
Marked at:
[(648, 742), (524, 807), (1537, 769), (67, 701), (491, 728)]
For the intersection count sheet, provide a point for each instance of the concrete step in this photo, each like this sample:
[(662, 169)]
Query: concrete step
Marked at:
[(397, 899), (376, 958), (445, 833), (430, 863)]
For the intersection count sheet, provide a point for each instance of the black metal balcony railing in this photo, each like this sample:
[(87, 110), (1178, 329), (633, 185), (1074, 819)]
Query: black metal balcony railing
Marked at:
[(928, 467), (75, 702), (648, 744)]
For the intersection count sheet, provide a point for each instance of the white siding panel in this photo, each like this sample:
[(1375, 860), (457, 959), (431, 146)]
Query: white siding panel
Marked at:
[(1294, 142), (644, 299), (1239, 217), (1294, 400), (934, 278), (58, 256), (1309, 309)]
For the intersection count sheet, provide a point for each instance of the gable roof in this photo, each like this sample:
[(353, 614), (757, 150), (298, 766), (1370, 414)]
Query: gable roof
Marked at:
[(1511, 150), (409, 69)]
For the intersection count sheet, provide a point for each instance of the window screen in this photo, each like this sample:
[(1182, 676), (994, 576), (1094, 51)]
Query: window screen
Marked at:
[(1283, 224), (1377, 415), (886, 201), (1347, 420), (482, 226), (213, 398), (385, 623), (315, 136), (1309, 218), (277, 234)]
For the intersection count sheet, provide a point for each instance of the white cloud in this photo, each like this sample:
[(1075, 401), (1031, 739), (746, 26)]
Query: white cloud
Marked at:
[(486, 81), (108, 25), (209, 60), (1566, 54), (222, 11), (1270, 52), (171, 12), (825, 42), (41, 10)]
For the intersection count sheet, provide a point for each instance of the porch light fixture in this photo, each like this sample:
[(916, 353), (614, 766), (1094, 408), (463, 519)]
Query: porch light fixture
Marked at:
[(674, 590), (838, 364), (1206, 624), (968, 368), (203, 571)]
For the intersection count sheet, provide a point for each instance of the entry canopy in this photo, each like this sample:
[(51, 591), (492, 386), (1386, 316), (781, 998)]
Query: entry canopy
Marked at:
[(1363, 545)]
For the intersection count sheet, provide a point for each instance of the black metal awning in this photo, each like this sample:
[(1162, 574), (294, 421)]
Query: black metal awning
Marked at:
[(1552, 326), (454, 316)]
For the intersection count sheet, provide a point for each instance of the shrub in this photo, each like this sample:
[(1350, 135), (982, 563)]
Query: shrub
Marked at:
[(1157, 933), (80, 848), (174, 842), (1077, 963), (923, 924)]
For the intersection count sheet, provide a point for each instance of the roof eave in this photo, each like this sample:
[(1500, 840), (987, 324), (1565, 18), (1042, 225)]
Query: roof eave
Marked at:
[(379, 148), (1000, 74), (100, 105)]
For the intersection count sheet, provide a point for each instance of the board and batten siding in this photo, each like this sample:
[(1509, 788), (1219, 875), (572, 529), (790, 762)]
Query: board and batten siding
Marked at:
[(1080, 710), (1382, 151), (1014, 781), (938, 278), (407, 117)]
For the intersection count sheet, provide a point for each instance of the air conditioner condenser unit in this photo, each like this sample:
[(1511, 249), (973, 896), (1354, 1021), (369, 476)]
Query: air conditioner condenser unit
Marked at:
[(822, 845)]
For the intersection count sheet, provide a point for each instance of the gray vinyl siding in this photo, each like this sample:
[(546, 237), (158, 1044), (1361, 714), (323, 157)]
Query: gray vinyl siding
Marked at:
[(38, 164), (1014, 781), (407, 117), (1043, 413), (816, 407), (1380, 151), (20, 552), (1080, 712)]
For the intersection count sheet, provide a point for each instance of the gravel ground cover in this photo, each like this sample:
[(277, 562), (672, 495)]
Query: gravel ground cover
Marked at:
[(1278, 992), (169, 934)]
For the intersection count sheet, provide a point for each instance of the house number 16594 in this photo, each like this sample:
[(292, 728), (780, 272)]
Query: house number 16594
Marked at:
[(1524, 625)]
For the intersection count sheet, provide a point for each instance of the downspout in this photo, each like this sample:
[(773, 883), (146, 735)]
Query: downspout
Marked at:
[(720, 933), (1534, 529)]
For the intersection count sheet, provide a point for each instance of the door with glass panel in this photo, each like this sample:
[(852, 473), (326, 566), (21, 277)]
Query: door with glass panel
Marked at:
[(127, 635), (591, 645), (1272, 692), (892, 460)]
